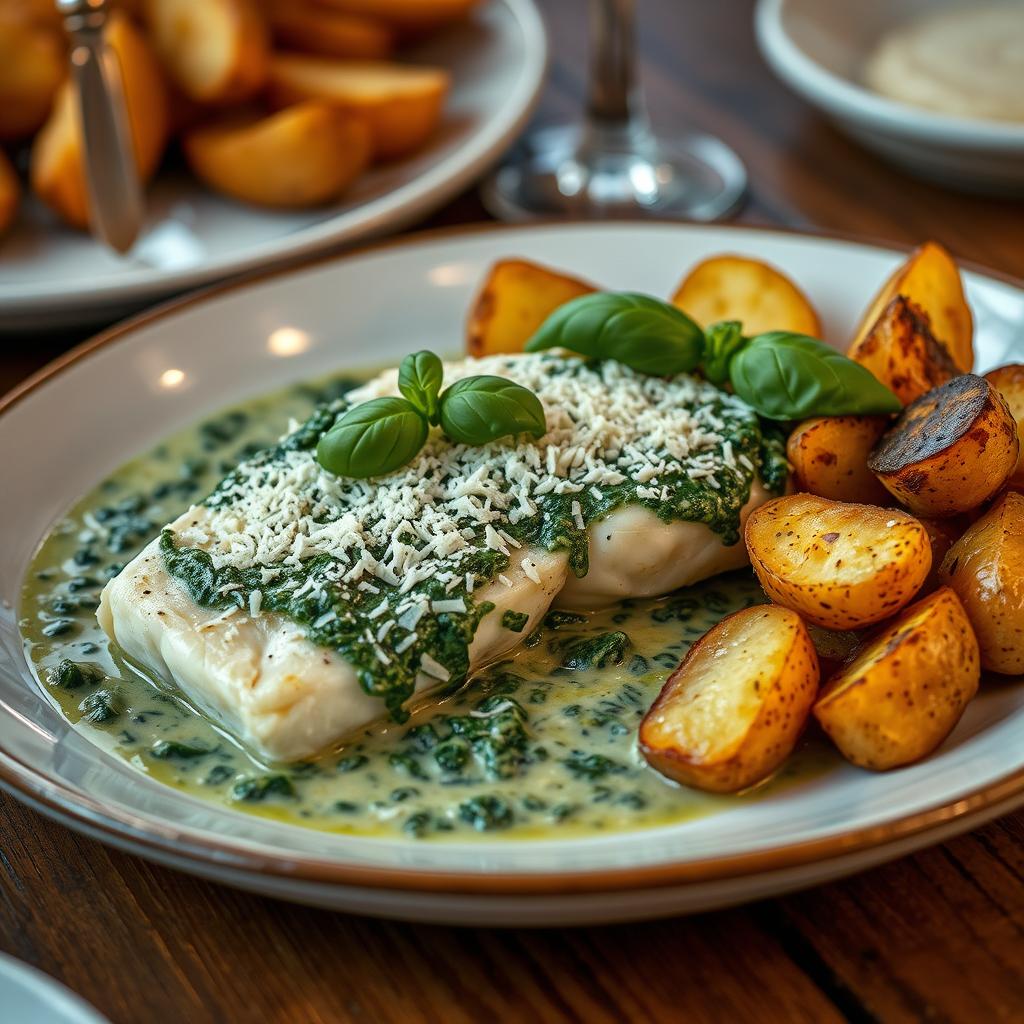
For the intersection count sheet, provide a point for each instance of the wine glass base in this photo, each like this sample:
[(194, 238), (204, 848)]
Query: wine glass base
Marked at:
[(565, 172)]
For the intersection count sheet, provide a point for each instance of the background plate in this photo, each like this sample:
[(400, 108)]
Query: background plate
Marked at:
[(376, 306), (51, 276)]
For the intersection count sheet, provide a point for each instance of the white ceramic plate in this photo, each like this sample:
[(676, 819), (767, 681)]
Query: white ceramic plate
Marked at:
[(104, 403), (30, 997), (818, 48), (51, 276)]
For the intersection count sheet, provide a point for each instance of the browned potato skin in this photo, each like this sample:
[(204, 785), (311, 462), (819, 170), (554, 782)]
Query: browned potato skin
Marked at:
[(32, 66), (840, 565), (901, 351), (942, 535), (514, 300), (408, 16), (929, 278), (829, 456), (1009, 382), (986, 569), (901, 696), (951, 450), (785, 685), (761, 297)]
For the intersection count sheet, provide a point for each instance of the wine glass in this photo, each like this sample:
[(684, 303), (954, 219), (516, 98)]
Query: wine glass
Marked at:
[(613, 165)]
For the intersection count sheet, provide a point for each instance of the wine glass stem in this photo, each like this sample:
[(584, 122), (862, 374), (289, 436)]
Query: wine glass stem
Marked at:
[(614, 103)]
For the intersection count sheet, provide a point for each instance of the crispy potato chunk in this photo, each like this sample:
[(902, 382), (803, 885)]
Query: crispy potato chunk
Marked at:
[(901, 351), (216, 51), (56, 168), (942, 535), (32, 66), (739, 288), (730, 714), (401, 103), (313, 29), (986, 569), (931, 280), (300, 156), (409, 16), (1009, 382), (10, 192), (514, 300), (829, 456), (950, 450), (841, 566), (907, 688)]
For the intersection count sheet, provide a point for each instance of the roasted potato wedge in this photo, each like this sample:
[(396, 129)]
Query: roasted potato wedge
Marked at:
[(312, 29), (10, 192), (901, 696), (942, 535), (931, 280), (32, 66), (829, 456), (300, 156), (901, 351), (56, 170), (730, 714), (986, 569), (1009, 382), (841, 566), (514, 300), (215, 51), (401, 103), (739, 288), (408, 16), (950, 450)]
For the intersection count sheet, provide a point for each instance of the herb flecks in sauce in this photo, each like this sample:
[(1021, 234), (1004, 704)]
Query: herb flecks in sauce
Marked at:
[(510, 736)]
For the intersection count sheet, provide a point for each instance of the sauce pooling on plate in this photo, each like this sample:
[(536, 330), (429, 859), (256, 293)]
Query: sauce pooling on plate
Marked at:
[(541, 743)]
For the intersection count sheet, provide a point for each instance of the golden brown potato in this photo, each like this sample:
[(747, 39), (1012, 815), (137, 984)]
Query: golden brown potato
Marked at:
[(739, 288), (32, 66), (10, 192), (986, 569), (401, 103), (829, 456), (514, 300), (841, 566), (313, 29), (942, 535), (409, 16), (931, 280), (730, 714), (56, 169), (215, 51), (901, 351), (901, 696), (300, 156), (950, 450), (1009, 382)]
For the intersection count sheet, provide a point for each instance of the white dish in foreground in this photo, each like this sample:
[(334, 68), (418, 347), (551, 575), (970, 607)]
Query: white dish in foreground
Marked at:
[(115, 399), (29, 996), (818, 49), (51, 276)]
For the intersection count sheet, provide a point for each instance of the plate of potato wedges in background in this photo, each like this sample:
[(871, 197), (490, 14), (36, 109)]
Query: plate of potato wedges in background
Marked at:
[(263, 130)]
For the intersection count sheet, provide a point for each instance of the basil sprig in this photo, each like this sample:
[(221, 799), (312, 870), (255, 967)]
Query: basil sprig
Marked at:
[(645, 334), (384, 434), (781, 375)]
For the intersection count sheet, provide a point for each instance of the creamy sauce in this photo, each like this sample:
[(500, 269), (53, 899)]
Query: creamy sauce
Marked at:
[(966, 62), (540, 744)]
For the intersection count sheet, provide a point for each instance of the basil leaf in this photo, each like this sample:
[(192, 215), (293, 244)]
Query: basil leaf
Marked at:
[(786, 376), (419, 379), (646, 334), (477, 410), (373, 438), (721, 342)]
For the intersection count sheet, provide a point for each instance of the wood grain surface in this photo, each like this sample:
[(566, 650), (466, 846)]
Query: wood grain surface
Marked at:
[(934, 937)]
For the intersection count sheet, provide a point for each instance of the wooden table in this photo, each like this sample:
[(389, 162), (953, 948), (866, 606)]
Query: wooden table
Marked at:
[(938, 936)]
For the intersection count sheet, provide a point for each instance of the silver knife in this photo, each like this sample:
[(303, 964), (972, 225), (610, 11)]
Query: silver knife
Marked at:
[(111, 174)]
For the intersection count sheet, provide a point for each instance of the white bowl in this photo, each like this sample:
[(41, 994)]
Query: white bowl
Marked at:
[(818, 48)]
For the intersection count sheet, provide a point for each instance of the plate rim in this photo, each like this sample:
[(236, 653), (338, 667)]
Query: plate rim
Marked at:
[(377, 215), (76, 808)]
